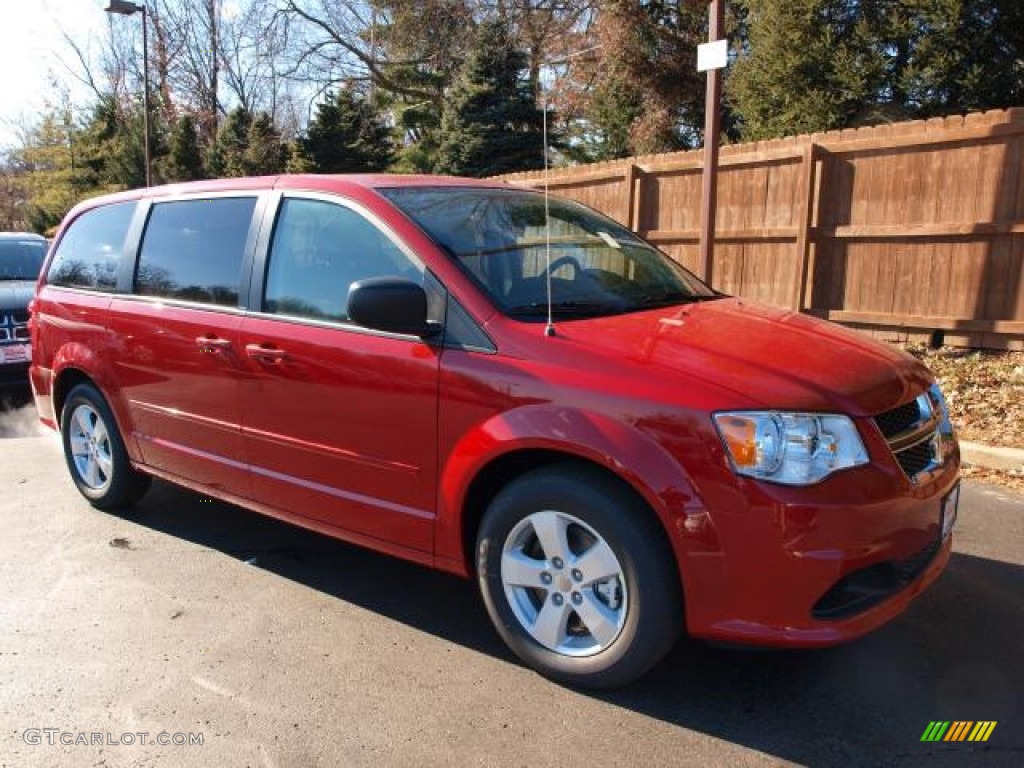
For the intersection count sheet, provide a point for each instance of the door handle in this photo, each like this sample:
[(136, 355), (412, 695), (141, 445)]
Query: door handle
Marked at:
[(264, 354), (212, 344)]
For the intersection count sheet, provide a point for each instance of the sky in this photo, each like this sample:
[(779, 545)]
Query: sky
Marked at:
[(31, 48)]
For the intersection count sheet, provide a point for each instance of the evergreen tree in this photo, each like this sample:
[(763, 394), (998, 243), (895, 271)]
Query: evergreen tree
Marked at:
[(185, 157), (297, 161), (424, 42), (265, 154), (227, 157), (949, 56), (812, 65), (491, 124), (420, 127), (215, 164), (112, 146), (347, 136)]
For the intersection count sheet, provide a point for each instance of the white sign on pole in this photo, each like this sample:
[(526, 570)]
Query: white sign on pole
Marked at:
[(712, 55)]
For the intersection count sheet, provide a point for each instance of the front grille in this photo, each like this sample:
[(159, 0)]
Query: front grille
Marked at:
[(14, 326), (911, 430), (917, 458), (899, 419)]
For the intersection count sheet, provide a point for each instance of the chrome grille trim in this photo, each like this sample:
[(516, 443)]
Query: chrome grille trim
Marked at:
[(13, 327), (917, 447)]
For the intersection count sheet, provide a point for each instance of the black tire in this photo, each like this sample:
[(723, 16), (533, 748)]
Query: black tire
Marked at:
[(647, 607), (101, 470)]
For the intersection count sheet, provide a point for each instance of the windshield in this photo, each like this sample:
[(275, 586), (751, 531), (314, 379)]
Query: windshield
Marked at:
[(21, 259), (498, 236)]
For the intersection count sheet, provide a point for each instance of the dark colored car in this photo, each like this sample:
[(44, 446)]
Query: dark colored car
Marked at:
[(21, 256), (523, 392)]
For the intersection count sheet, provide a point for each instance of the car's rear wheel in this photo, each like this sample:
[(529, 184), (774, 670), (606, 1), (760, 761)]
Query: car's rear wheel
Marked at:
[(577, 576), (95, 452)]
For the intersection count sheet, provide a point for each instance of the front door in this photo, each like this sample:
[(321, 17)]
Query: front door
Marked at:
[(340, 423)]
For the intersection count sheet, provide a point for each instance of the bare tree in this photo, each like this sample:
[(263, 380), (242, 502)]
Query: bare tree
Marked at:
[(253, 44), (193, 29), (548, 30), (331, 41)]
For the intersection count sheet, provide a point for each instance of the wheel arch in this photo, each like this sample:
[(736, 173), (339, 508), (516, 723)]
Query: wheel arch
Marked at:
[(65, 381), (512, 444), (76, 364)]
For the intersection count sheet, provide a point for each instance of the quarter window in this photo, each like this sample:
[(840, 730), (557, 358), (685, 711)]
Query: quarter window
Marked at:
[(193, 250), (91, 249), (319, 249)]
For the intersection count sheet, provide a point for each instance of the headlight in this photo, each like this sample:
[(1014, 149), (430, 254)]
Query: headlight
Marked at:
[(790, 448)]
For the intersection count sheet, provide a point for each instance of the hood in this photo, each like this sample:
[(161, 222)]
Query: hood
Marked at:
[(16, 294), (759, 356)]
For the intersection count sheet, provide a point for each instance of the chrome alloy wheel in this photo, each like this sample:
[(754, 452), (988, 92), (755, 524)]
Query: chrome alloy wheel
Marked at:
[(564, 584), (90, 448)]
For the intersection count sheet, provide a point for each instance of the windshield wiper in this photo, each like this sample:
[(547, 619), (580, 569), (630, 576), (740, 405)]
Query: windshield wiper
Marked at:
[(670, 298), (568, 308)]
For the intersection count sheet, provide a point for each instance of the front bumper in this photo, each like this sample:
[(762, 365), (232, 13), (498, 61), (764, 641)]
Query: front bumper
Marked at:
[(806, 567), (823, 633)]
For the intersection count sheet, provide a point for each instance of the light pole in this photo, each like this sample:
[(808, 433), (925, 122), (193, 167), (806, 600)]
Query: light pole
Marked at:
[(125, 8)]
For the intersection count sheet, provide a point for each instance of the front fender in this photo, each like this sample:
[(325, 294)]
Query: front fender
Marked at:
[(620, 447)]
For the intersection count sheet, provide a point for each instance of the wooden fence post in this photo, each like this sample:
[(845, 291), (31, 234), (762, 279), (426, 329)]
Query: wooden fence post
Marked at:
[(634, 196), (804, 225)]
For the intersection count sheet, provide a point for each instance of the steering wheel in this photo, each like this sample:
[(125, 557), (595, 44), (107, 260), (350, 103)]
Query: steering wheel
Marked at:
[(561, 261)]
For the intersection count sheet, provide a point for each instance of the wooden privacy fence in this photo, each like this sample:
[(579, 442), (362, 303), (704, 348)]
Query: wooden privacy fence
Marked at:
[(913, 230)]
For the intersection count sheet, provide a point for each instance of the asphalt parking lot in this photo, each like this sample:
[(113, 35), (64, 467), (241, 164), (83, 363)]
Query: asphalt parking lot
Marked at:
[(285, 648)]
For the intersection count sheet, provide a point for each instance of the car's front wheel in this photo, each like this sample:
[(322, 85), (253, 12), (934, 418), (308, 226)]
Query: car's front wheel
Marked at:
[(95, 452), (577, 576)]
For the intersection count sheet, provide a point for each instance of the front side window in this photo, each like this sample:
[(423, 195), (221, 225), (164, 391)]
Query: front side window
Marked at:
[(319, 249), (500, 237), (193, 250), (90, 251)]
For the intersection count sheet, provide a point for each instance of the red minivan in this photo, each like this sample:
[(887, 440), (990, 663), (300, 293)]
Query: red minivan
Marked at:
[(454, 372)]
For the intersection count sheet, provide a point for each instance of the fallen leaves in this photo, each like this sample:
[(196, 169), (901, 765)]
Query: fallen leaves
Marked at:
[(993, 477), (985, 393)]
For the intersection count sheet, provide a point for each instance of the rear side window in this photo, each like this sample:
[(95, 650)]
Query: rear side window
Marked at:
[(91, 249), (193, 250)]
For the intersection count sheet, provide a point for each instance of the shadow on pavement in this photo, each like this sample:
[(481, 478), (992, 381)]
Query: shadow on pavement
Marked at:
[(957, 654)]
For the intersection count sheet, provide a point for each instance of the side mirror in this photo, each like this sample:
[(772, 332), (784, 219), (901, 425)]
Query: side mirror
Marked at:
[(391, 304)]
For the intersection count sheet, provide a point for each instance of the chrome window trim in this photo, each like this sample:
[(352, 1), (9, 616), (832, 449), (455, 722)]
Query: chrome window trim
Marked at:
[(182, 303)]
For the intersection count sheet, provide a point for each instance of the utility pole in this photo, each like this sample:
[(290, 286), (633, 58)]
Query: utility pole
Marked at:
[(711, 58)]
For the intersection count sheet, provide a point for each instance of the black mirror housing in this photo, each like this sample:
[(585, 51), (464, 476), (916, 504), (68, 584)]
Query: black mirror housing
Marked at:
[(390, 304)]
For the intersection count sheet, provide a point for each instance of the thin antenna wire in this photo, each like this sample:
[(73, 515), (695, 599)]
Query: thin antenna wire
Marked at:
[(550, 329)]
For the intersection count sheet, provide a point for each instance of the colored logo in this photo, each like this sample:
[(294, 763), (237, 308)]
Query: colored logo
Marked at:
[(959, 730)]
